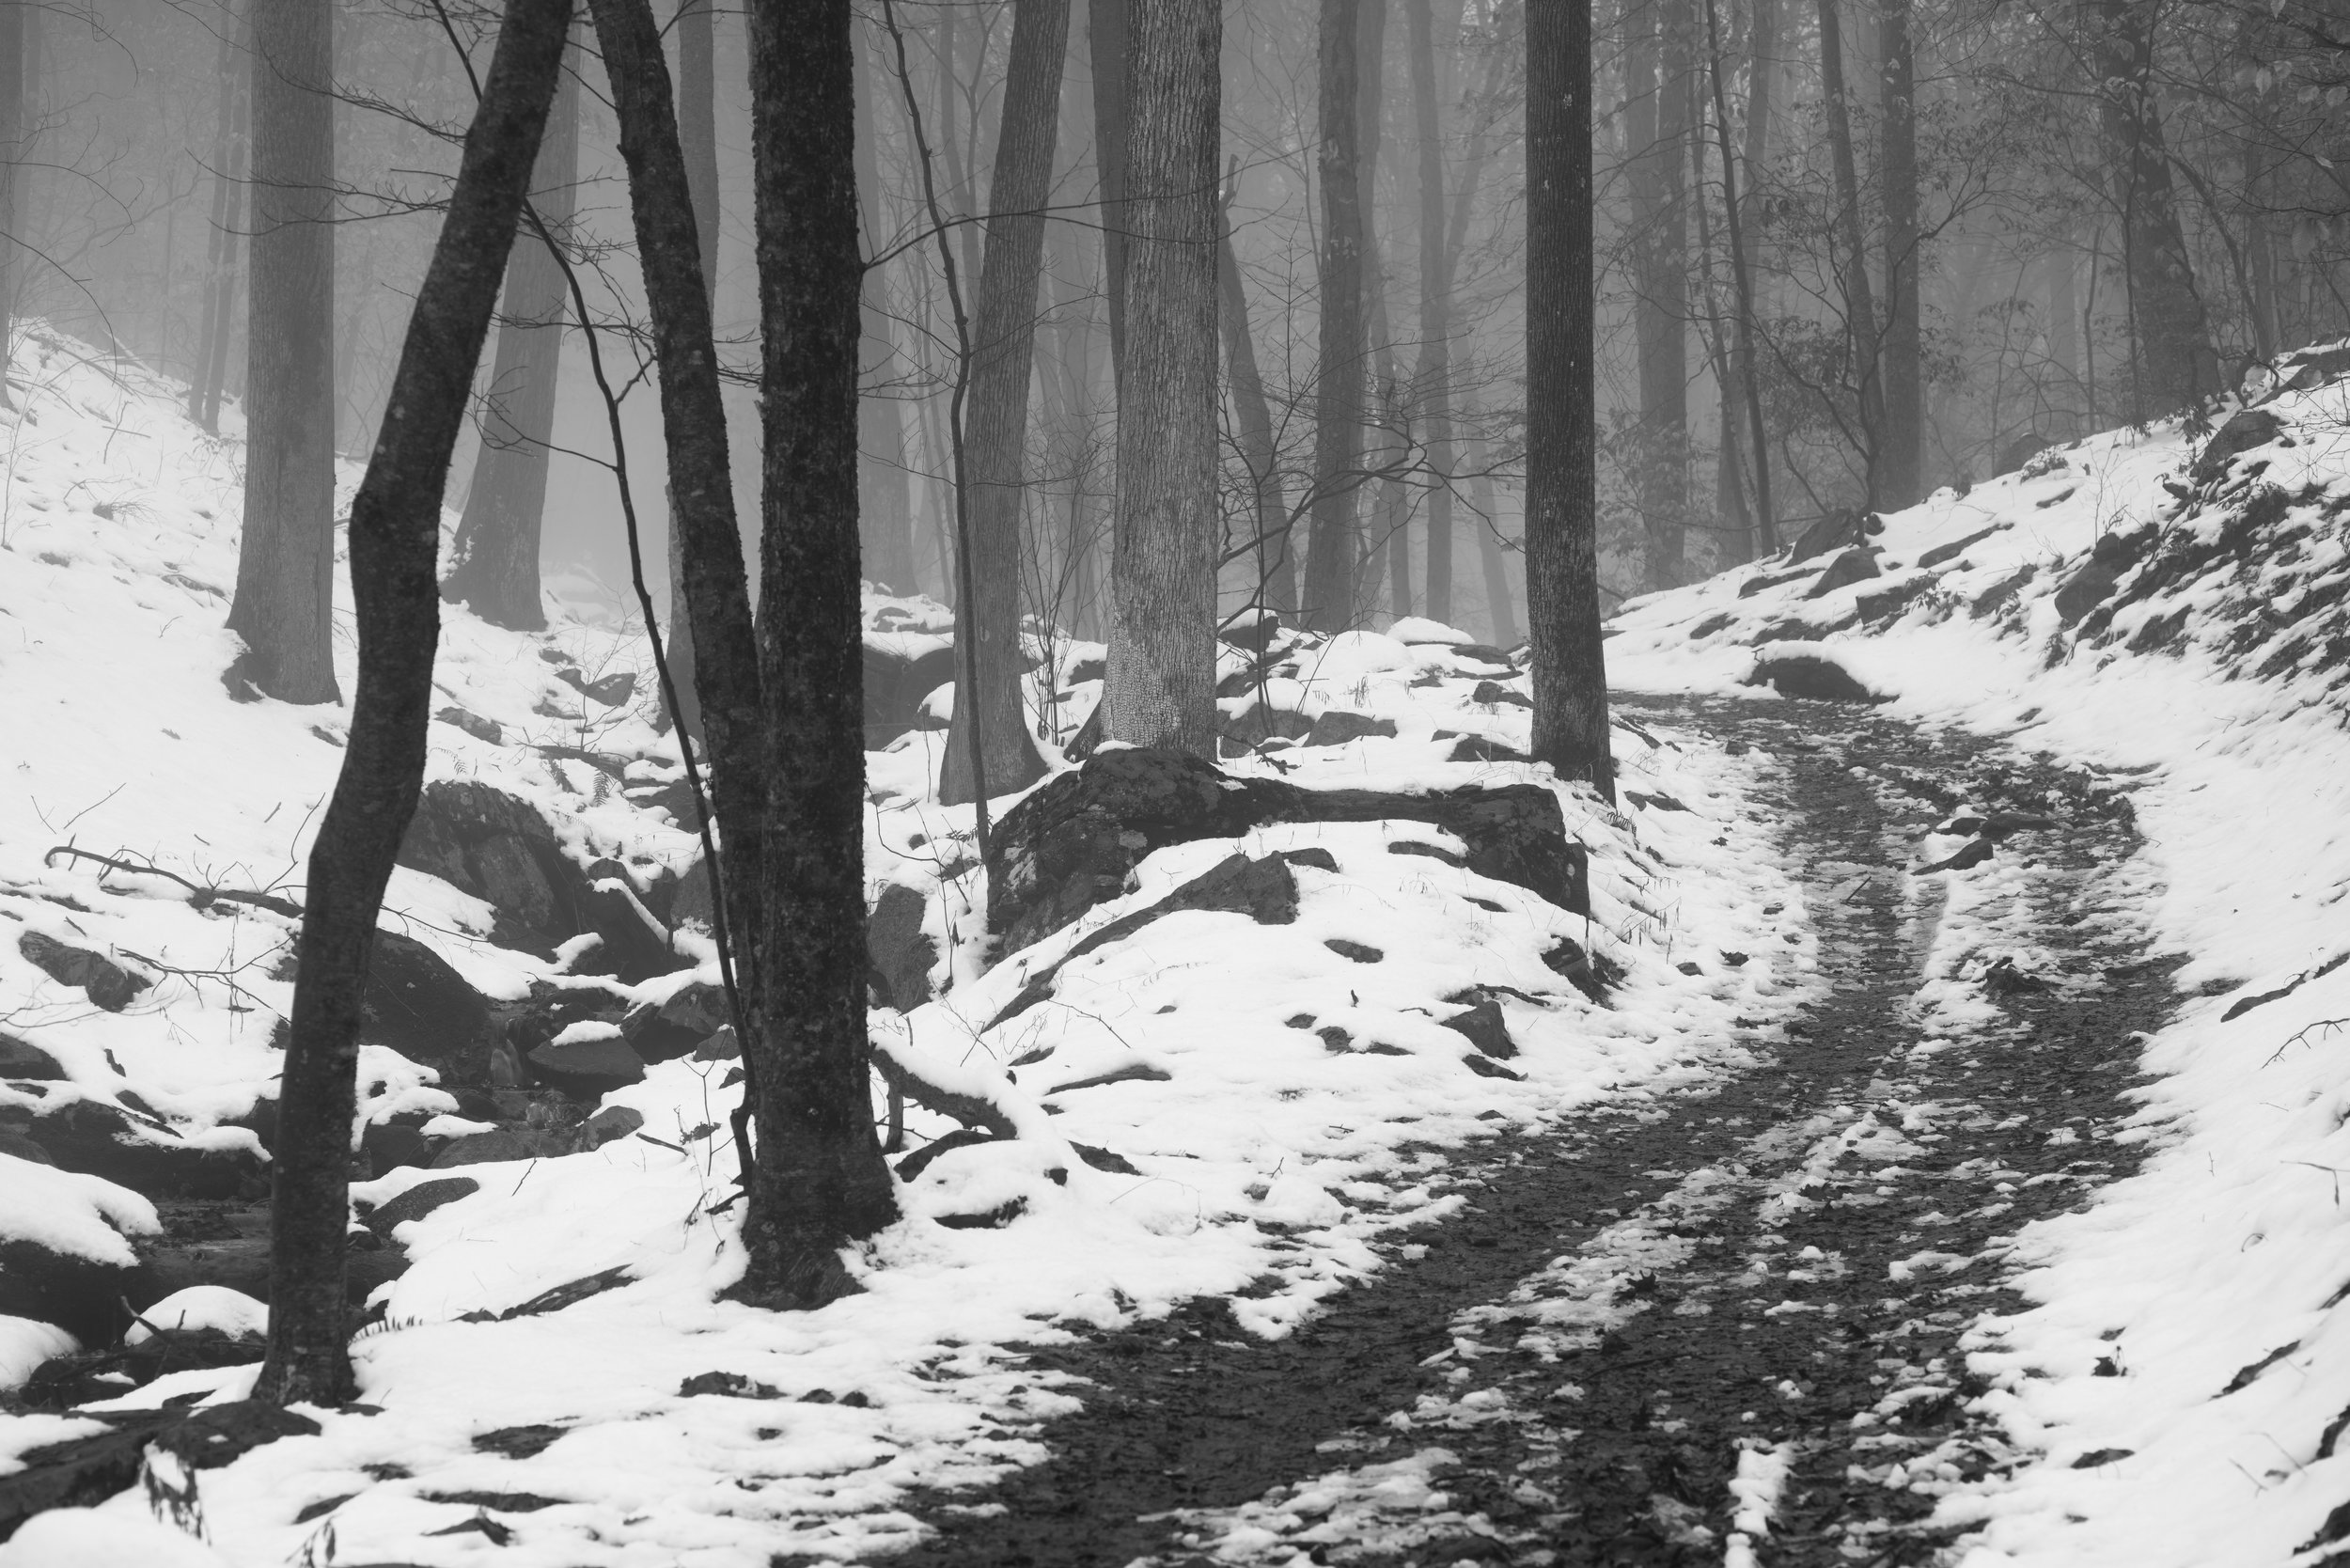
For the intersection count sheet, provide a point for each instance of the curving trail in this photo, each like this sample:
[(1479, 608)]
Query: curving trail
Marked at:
[(1726, 1333)]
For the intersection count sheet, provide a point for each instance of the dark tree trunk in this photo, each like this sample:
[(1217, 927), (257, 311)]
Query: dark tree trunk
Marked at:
[(1657, 116), (884, 509), (1326, 603), (285, 603), (995, 445), (1106, 42), (395, 538), (714, 593), (1861, 311), (216, 250), (2175, 363), (1739, 212), (496, 574), (1161, 688), (697, 130), (220, 312), (1433, 380), (818, 1184), (11, 155), (1904, 391), (1276, 576), (1561, 452)]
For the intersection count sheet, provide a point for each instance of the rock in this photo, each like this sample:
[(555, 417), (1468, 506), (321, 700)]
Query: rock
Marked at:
[(2018, 452), (103, 1140), (1335, 727), (474, 724), (899, 952), (1753, 585), (396, 1141), (1358, 952), (611, 1124), (1492, 693), (901, 670), (1839, 529), (1808, 675), (1259, 722), (725, 1046), (1414, 631), (1251, 631), (419, 1005), (81, 1296), (1481, 748), (22, 1059), (2095, 579), (83, 1472), (1722, 622), (196, 1308), (1971, 854), (108, 984), (1888, 601), (612, 690), (1856, 565), (2244, 430), (507, 1143), (1481, 1026), (589, 1065), (418, 1201), (1958, 547), (1071, 842)]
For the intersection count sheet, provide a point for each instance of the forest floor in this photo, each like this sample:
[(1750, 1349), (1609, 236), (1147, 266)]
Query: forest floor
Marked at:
[(1671, 1335)]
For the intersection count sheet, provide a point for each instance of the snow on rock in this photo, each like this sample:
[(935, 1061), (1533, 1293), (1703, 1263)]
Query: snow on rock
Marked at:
[(216, 1307), (117, 1535), (24, 1345), (71, 1215)]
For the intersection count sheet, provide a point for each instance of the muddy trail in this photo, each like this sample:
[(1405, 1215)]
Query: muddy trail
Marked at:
[(1724, 1329)]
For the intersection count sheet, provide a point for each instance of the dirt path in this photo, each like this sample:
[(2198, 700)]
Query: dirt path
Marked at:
[(1648, 1334)]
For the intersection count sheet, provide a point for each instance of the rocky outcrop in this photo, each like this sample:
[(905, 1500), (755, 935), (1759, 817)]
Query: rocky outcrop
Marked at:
[(900, 669), (139, 1152), (107, 984), (2244, 430), (1071, 845), (1810, 675)]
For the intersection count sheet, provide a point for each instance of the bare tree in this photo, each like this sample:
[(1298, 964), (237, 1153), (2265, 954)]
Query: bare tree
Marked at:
[(818, 1182), (284, 607), (1326, 603), (395, 537), (697, 129), (1277, 574), (1656, 114), (1432, 380), (1003, 357), (1161, 687), (883, 506), (497, 572), (1904, 392), (1860, 313), (1561, 436)]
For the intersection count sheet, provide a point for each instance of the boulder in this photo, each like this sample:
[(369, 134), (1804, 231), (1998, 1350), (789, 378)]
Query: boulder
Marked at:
[(1810, 675), (2093, 581), (1838, 528), (81, 1296), (1071, 843), (1259, 722), (1856, 565), (1958, 547), (900, 951), (507, 1143), (142, 1153), (900, 669), (2244, 430), (108, 984), (419, 1005), (1480, 1023), (1492, 693), (474, 724), (418, 1201), (589, 1064), (1251, 631), (611, 690), (1335, 727), (22, 1060)]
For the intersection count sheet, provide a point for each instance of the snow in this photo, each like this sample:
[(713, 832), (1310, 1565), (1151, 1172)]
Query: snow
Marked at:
[(112, 1536), (70, 1214), (216, 1307), (24, 1345)]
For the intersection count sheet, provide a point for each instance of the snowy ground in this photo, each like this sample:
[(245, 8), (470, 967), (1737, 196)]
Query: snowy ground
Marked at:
[(1231, 1152)]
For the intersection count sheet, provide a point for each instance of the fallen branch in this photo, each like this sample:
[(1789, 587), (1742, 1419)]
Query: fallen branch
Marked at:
[(972, 1110), (204, 896)]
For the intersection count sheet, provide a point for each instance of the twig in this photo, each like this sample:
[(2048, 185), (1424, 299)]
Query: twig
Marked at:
[(204, 895)]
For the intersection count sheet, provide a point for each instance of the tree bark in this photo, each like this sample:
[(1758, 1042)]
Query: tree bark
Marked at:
[(1739, 212), (11, 155), (1161, 687), (1327, 600), (395, 538), (231, 205), (1432, 380), (496, 574), (883, 508), (2175, 363), (1656, 112), (1276, 584), (1562, 434), (696, 123), (1106, 42), (1905, 390), (284, 607), (996, 445), (818, 1182), (1861, 311)]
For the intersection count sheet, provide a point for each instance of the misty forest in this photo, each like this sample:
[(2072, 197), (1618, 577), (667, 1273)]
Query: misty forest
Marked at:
[(1161, 783)]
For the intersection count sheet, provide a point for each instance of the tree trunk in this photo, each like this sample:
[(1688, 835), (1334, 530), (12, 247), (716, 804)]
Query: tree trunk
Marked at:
[(1387, 433), (1276, 586), (1327, 602), (2175, 364), (1161, 688), (1105, 42), (395, 538), (11, 155), (883, 508), (1904, 391), (496, 574), (212, 373), (818, 1184), (1860, 312), (1740, 214), (216, 251), (285, 603), (1562, 434), (1432, 380), (995, 446), (696, 126), (1656, 68)]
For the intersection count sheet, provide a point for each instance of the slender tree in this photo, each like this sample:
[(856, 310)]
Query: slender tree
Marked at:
[(228, 219), (284, 607), (1861, 311), (1562, 435), (2175, 363), (883, 506), (1003, 361), (1656, 114), (1252, 416), (818, 1183), (1762, 39), (12, 155), (1326, 602), (1904, 391), (1161, 687), (697, 120), (395, 538), (1106, 45), (497, 570), (1432, 380)]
